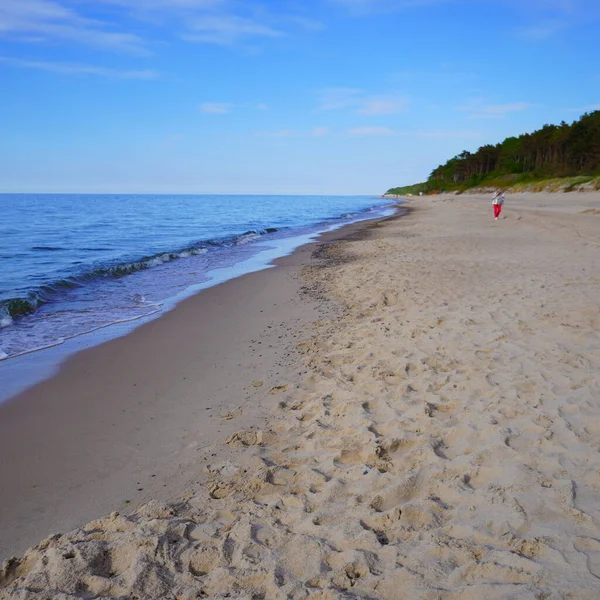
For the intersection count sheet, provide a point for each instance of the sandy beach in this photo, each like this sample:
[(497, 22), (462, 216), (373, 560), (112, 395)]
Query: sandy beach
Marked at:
[(412, 411), (133, 419)]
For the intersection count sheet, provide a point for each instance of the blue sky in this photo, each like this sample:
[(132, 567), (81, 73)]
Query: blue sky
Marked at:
[(286, 96)]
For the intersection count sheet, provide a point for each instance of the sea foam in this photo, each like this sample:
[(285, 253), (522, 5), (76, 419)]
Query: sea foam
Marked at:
[(6, 321)]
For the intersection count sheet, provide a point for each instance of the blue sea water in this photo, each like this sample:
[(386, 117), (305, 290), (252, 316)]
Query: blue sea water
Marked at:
[(72, 264)]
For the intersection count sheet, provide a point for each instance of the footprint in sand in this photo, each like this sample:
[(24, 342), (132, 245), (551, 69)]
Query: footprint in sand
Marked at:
[(219, 490), (396, 494), (278, 389), (591, 548), (352, 457), (439, 448), (232, 414), (202, 560), (249, 437)]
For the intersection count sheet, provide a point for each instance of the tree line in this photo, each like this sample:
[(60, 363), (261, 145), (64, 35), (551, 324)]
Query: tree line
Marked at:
[(553, 151)]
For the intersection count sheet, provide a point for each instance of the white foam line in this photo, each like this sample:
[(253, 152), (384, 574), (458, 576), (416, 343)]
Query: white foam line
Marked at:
[(62, 340)]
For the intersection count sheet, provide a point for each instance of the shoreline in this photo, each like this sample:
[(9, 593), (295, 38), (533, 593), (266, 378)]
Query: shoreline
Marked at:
[(73, 451), (438, 434), (23, 370)]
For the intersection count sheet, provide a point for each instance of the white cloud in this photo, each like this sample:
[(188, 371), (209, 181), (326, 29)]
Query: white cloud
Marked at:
[(262, 106), (320, 131), (223, 22), (77, 69), (216, 108), (41, 20), (227, 29)]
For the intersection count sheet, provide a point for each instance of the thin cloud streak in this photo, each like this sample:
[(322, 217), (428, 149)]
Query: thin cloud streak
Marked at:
[(221, 22), (227, 29), (40, 20), (77, 69)]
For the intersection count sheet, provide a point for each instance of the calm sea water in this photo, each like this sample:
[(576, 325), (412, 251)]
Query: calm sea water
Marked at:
[(71, 264)]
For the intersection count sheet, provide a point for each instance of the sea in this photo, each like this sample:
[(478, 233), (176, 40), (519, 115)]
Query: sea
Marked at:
[(73, 264)]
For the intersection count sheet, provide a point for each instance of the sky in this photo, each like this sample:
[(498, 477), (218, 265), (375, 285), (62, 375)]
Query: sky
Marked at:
[(278, 96)]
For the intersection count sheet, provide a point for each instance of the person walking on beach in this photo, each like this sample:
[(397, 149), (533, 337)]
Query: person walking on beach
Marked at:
[(497, 202)]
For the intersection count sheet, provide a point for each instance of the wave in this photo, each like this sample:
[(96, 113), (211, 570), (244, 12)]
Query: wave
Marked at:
[(47, 249), (14, 308), (63, 339)]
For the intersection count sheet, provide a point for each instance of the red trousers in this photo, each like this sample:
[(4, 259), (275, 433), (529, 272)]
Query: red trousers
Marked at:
[(497, 210)]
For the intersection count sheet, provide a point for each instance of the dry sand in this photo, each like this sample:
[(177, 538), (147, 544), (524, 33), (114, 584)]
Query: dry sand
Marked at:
[(443, 443)]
